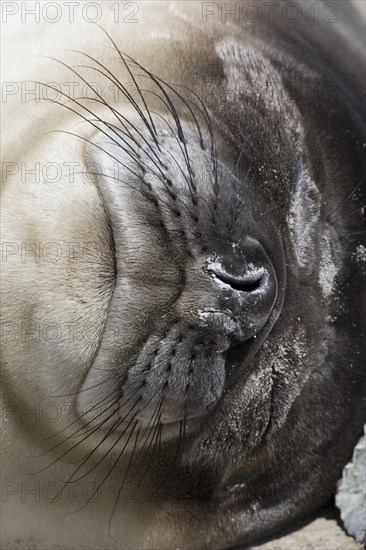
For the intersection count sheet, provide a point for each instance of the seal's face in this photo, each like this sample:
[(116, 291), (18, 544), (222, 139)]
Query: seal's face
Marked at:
[(217, 289), (197, 276), (214, 314)]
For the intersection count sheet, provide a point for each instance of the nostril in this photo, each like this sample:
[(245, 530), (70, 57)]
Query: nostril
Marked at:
[(245, 284)]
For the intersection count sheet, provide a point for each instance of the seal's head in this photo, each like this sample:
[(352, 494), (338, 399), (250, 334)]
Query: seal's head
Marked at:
[(199, 276), (228, 281), (223, 374)]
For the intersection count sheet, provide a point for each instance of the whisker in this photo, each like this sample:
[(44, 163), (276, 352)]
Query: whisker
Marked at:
[(133, 78)]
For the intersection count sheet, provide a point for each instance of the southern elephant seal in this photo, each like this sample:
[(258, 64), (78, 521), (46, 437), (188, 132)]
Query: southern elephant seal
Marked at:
[(183, 271)]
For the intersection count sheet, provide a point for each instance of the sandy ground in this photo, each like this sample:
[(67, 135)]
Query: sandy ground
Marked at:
[(320, 532)]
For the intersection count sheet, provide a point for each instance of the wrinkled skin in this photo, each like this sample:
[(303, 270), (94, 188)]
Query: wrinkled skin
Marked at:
[(224, 290)]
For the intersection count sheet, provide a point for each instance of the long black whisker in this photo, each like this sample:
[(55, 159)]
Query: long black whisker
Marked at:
[(150, 435), (81, 441), (113, 157), (210, 129), (194, 200), (112, 468), (133, 78), (123, 482), (134, 157), (173, 113), (80, 417)]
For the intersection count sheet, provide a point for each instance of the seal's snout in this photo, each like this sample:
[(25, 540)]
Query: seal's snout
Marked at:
[(255, 293), (248, 283)]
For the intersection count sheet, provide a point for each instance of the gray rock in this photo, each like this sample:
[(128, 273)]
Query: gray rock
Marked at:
[(351, 493)]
